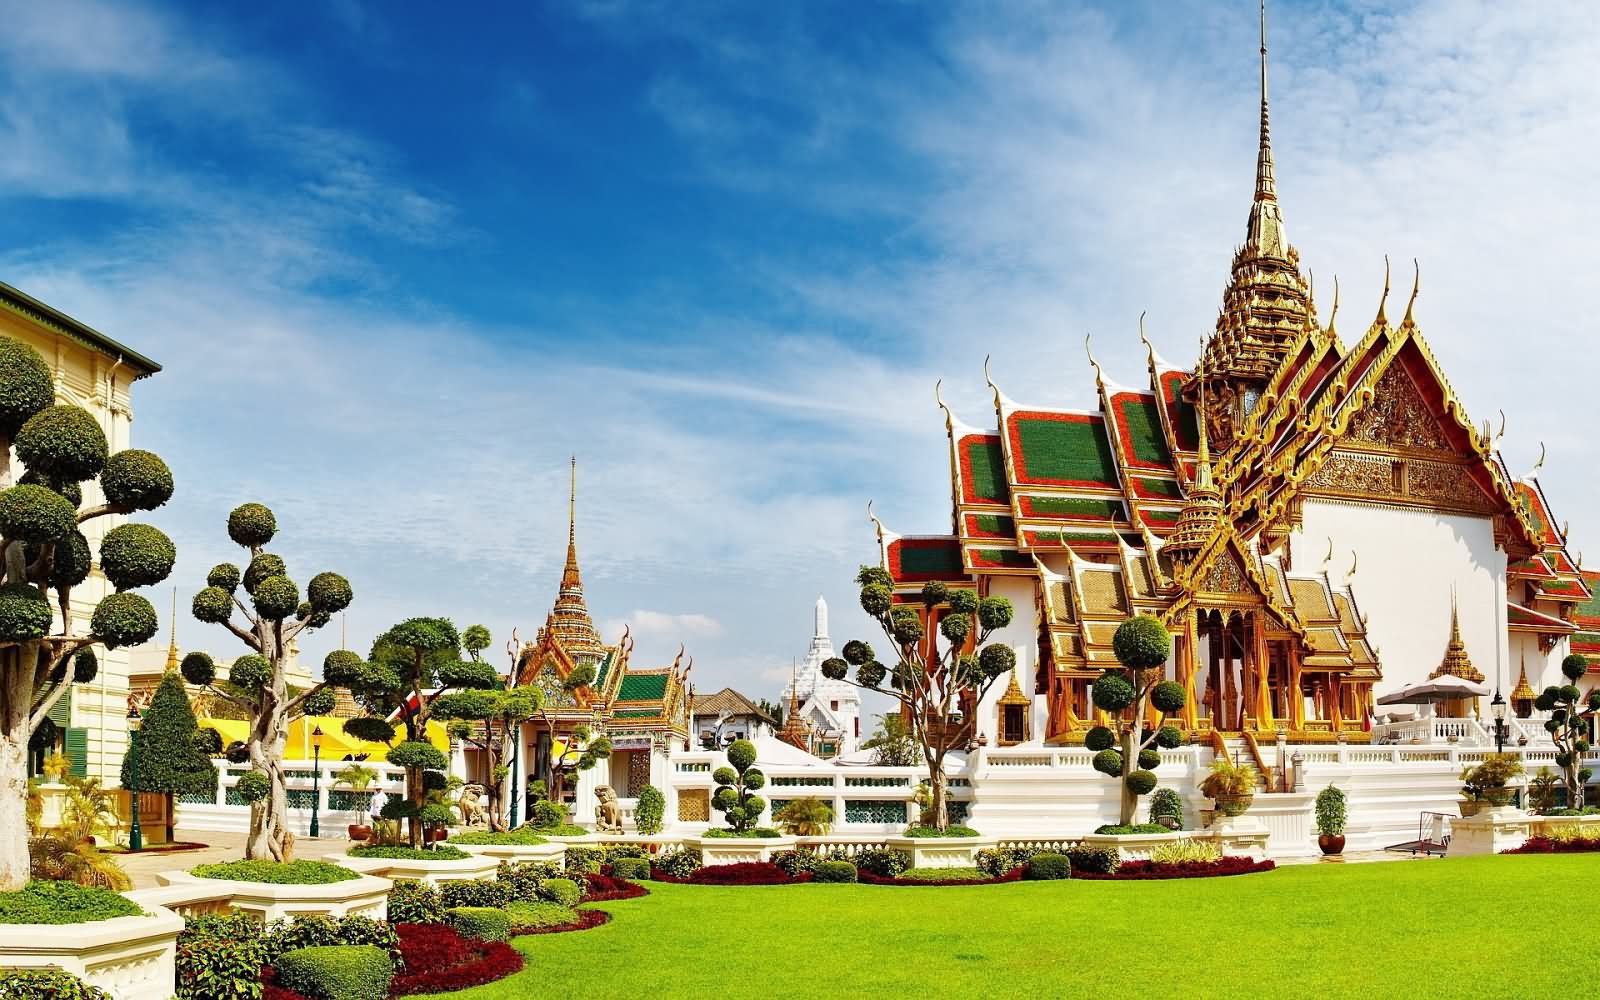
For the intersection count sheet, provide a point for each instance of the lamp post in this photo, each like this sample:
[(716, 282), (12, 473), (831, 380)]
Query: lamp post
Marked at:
[(1497, 707), (135, 834), (316, 777), (511, 777)]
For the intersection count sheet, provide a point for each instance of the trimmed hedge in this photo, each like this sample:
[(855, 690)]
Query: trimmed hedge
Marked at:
[(481, 923), (443, 852), (933, 831), (1136, 870), (474, 892), (46, 902), (413, 902), (526, 916), (631, 868), (1547, 845), (1134, 828), (1093, 860), (834, 871), (277, 872), (869, 878), (47, 984), (760, 832), (522, 836), (337, 972), (1048, 866), (563, 891), (747, 873)]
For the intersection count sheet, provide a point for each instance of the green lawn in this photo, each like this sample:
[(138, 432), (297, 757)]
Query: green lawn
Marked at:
[(1455, 928)]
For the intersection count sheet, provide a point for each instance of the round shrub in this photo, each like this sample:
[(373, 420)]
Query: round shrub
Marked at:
[(36, 514), (1169, 737), (1112, 693), (212, 605), (321, 703), (741, 754), (1141, 642), (136, 480), (85, 666), (994, 613), (1149, 760), (1168, 697), (24, 613), (261, 567), (252, 524), (414, 903), (123, 619), (1100, 738), (680, 863), (906, 625), (632, 869), (63, 442), (484, 923), (547, 814), (857, 652), (71, 560), (198, 669), (371, 729), (834, 668), (1108, 762), (48, 983), (253, 786), (419, 754), (876, 599), (1049, 866), (26, 385), (1574, 666), (560, 890), (250, 673), (136, 555), (955, 627), (834, 871), (1141, 782), (996, 660), (329, 593), (871, 673), (72, 491), (337, 972), (963, 601), (275, 598)]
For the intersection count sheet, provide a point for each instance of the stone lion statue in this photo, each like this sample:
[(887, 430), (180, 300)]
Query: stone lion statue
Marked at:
[(473, 813), (608, 814)]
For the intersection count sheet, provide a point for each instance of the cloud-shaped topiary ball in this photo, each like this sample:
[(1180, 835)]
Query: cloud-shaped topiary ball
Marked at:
[(136, 480)]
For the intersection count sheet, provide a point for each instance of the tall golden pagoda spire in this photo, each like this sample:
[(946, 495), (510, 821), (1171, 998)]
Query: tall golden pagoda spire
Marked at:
[(172, 641), (1200, 514), (1456, 662), (1266, 305), (570, 622)]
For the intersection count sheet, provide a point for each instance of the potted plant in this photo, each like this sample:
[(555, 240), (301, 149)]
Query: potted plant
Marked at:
[(55, 767), (358, 778), (1330, 820), (1484, 785), (1231, 786), (1166, 809)]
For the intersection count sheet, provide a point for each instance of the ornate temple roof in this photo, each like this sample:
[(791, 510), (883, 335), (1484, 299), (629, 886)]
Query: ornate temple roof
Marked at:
[(569, 623)]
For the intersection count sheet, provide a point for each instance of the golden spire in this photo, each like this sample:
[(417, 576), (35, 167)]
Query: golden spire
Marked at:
[(172, 642), (570, 622), (1266, 186), (1198, 519), (1523, 691), (1456, 662)]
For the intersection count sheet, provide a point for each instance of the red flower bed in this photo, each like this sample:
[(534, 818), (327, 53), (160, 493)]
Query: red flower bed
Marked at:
[(1183, 869), (747, 873), (1544, 845), (444, 961), (270, 990), (586, 919), (599, 888), (1014, 875)]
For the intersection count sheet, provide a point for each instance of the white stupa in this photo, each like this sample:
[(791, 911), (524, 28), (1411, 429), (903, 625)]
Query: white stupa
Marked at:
[(833, 708)]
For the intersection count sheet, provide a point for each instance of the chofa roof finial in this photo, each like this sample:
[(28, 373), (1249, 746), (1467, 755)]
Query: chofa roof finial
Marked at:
[(1382, 319), (1416, 283)]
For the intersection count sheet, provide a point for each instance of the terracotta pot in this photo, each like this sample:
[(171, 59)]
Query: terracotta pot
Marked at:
[(359, 832), (1233, 805), (1331, 843)]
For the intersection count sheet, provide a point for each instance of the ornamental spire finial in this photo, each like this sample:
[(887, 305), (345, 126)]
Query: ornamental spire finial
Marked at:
[(1266, 186)]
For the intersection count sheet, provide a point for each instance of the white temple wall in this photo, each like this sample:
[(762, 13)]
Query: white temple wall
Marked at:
[(1408, 562), (1544, 668), (1022, 636)]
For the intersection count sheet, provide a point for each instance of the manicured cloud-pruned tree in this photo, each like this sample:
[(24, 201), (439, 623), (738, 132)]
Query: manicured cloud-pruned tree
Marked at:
[(44, 555), (1126, 749), (413, 666), (735, 796), (488, 720), (273, 615), (933, 681), (1567, 725), (172, 757)]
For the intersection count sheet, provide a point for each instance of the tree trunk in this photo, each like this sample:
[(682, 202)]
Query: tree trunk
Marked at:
[(414, 796), (937, 795), (1130, 763), (16, 699), (269, 818)]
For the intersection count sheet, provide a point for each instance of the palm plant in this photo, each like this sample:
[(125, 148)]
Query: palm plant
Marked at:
[(807, 817)]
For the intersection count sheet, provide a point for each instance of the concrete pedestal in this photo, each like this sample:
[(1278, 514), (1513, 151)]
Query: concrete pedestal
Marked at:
[(1502, 828)]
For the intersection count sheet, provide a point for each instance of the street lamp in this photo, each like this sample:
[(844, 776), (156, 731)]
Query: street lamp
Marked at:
[(1497, 707), (135, 835), (511, 778), (316, 777)]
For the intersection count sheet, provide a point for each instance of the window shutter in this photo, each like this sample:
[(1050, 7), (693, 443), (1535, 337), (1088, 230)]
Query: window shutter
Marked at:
[(61, 711), (78, 751)]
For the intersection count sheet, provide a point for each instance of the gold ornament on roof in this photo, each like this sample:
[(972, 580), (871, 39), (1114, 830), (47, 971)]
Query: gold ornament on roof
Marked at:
[(1456, 662), (570, 623)]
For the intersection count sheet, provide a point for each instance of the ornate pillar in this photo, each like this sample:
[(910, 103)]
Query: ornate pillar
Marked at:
[(1296, 699), (1264, 718), (1230, 685), (1188, 653), (1335, 696)]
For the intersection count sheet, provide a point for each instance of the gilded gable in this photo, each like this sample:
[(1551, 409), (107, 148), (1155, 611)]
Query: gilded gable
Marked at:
[(1398, 417)]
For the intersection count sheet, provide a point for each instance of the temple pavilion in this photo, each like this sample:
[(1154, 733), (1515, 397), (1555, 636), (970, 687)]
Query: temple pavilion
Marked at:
[(1312, 513)]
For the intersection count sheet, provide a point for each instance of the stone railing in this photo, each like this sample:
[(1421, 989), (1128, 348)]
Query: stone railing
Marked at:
[(336, 807), (1434, 729)]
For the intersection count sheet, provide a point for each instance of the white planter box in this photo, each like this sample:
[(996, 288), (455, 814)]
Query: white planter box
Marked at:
[(132, 958), (1238, 836), (367, 896), (738, 850), (553, 852), (1502, 828), (1542, 825), (941, 852), (1137, 846), (430, 872)]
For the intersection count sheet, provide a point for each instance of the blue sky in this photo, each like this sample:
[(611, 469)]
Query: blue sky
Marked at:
[(400, 264)]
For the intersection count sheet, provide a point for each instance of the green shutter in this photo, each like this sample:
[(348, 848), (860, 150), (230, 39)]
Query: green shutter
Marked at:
[(61, 711), (78, 751)]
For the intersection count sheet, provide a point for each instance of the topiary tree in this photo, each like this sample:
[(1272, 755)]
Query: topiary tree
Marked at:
[(939, 685), (1125, 749), (488, 720), (271, 615), (44, 555), (414, 665), (651, 810), (735, 796), (1567, 726), (173, 758)]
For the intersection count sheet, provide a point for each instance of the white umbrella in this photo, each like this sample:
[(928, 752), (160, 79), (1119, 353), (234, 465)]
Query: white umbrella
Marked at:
[(1442, 688)]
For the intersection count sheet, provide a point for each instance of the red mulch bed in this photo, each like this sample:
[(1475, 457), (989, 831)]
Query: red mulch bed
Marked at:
[(1014, 875), (1184, 869), (445, 961), (600, 888), (586, 919), (1544, 845), (748, 873)]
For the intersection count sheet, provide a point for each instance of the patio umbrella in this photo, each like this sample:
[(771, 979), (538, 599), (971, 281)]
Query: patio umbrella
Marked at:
[(1443, 688)]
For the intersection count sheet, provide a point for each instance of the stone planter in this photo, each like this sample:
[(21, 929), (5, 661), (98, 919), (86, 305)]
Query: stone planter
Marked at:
[(1542, 825), (132, 958), (1137, 846), (1497, 829), (942, 852), (430, 872), (738, 850), (553, 852), (367, 896), (1233, 805), (1472, 807)]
